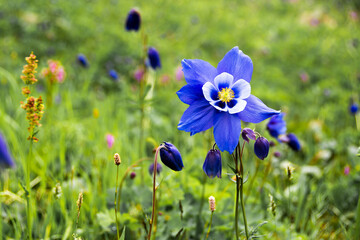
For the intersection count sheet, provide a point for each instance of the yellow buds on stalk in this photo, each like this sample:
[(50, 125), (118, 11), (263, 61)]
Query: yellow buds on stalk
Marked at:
[(30, 70), (117, 159), (212, 204), (33, 106)]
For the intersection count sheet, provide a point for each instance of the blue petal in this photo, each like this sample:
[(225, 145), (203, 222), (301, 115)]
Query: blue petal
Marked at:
[(237, 64), (227, 128), (223, 80), (256, 111), (198, 72), (197, 118), (190, 93)]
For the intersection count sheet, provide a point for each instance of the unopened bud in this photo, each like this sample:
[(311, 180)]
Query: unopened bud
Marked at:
[(117, 159), (212, 205)]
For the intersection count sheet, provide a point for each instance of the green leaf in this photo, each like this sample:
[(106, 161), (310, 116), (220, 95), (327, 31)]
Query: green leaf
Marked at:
[(123, 234)]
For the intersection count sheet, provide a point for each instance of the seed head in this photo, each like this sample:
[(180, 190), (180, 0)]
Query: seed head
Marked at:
[(212, 204), (117, 159), (79, 201), (289, 172), (272, 205)]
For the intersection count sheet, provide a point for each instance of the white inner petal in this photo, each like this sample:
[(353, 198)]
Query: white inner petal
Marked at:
[(239, 106), (241, 89), (207, 89), (223, 80)]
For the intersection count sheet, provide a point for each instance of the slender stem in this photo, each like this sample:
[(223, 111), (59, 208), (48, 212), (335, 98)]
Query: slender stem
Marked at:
[(243, 207), (289, 210), (116, 219), (142, 99), (208, 232), (242, 192), (237, 207), (154, 191), (28, 191)]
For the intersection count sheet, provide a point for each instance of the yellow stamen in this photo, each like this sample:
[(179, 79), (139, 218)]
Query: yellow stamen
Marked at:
[(226, 95)]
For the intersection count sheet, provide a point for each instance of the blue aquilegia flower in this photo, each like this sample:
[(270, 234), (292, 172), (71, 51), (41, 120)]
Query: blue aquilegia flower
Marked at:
[(220, 98), (276, 125), (82, 60), (171, 157), (5, 156), (261, 147), (154, 58), (212, 164), (293, 142), (158, 168), (133, 20), (113, 74)]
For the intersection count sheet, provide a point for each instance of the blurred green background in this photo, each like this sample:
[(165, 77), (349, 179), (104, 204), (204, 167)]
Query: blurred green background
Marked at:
[(306, 63)]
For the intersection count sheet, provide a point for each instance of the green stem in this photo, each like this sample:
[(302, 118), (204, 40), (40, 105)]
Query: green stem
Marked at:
[(242, 196), (237, 207), (116, 219), (208, 232), (289, 210), (154, 192), (357, 222), (28, 191)]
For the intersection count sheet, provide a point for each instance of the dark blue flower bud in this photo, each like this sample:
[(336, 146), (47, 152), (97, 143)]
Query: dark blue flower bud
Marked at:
[(82, 60), (158, 168), (212, 164), (248, 133), (276, 126), (261, 147), (154, 58), (293, 142), (113, 74), (133, 20), (171, 157), (5, 156), (354, 108), (132, 175)]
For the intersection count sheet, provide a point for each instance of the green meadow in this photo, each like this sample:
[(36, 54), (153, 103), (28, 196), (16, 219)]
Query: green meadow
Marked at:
[(306, 63)]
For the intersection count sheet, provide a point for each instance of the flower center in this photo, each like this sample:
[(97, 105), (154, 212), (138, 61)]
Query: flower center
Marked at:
[(226, 95)]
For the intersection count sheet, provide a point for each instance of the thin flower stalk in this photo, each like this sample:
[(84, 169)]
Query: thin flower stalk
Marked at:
[(154, 191), (116, 218)]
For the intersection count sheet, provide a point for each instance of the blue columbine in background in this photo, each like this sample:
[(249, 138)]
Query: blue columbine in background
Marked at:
[(5, 156), (82, 60), (261, 147), (158, 168), (212, 164), (154, 58), (220, 98), (276, 126), (113, 74), (133, 20), (171, 157), (293, 142), (354, 108)]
